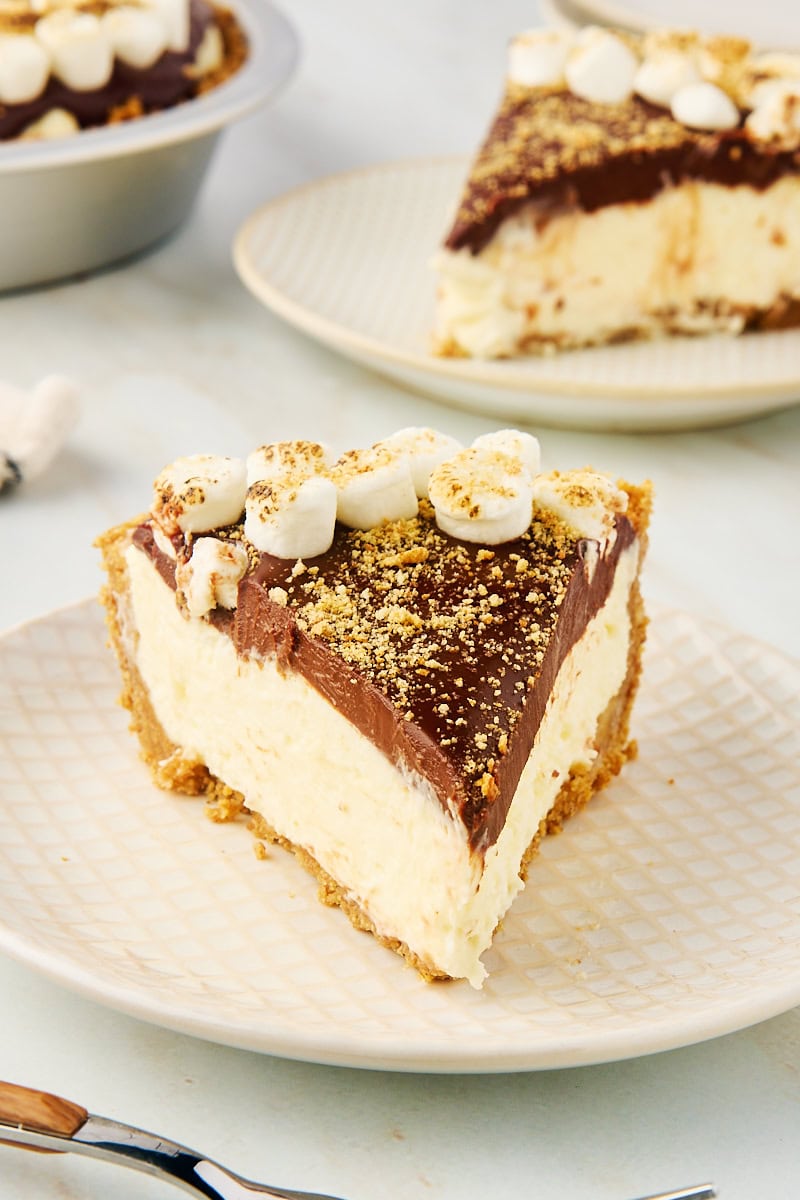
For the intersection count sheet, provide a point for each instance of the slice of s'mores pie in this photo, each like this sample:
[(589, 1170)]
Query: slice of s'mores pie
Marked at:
[(629, 187), (408, 664)]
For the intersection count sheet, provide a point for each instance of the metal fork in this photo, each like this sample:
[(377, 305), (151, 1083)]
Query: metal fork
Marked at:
[(36, 1120)]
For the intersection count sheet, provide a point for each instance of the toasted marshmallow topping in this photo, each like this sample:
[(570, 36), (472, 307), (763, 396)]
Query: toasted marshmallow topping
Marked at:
[(199, 493), (519, 445), (424, 450), (660, 77), (707, 83), (291, 516), (537, 57), (584, 500), (374, 485), (174, 15), (24, 68), (81, 54), (210, 577), (55, 123), (601, 67), (70, 41), (482, 495), (777, 64), (299, 460), (764, 89), (486, 494), (771, 75), (209, 56), (704, 106), (777, 117), (723, 60), (138, 37), (291, 506)]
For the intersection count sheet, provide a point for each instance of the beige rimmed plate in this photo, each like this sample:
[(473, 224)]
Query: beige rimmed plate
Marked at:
[(668, 912), (347, 260)]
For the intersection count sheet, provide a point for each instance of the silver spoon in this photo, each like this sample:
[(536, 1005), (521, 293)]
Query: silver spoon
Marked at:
[(39, 1121)]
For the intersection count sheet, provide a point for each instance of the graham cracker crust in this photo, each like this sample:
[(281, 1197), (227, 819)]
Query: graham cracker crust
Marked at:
[(173, 772), (783, 313)]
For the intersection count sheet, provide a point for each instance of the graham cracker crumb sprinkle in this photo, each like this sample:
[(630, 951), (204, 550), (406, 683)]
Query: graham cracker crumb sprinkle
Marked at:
[(446, 631), (543, 139), (544, 133)]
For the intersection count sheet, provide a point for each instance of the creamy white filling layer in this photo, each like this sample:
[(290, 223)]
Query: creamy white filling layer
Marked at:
[(378, 831), (580, 278)]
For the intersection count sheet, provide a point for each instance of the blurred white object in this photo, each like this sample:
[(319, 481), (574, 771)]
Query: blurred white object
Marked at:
[(34, 426), (770, 24)]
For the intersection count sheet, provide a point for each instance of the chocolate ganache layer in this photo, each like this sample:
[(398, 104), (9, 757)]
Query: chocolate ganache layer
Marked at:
[(443, 653), (561, 152), (161, 86)]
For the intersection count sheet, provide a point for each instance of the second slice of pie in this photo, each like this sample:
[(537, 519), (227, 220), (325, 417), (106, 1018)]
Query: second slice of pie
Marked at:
[(629, 187)]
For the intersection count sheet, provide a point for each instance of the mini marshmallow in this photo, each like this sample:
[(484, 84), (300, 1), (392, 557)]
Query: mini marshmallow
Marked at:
[(770, 73), (660, 77), (211, 576), (55, 123), (764, 90), (209, 56), (777, 64), (174, 15), (704, 106), (374, 485), (138, 37), (778, 116), (721, 58), (515, 444), (297, 459), (482, 496), (199, 492), (79, 49), (425, 449), (24, 68), (537, 57), (291, 518), (601, 68), (584, 500)]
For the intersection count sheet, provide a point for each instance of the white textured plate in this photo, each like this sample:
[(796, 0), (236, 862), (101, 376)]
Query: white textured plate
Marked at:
[(347, 260), (668, 912)]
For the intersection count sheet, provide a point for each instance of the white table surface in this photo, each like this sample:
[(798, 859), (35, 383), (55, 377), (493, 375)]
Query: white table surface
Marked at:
[(172, 356)]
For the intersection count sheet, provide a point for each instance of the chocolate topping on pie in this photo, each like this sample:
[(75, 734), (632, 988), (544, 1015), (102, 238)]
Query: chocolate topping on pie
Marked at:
[(553, 148), (161, 86), (443, 653)]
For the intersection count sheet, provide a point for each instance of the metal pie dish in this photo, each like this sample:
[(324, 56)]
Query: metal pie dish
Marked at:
[(74, 204)]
